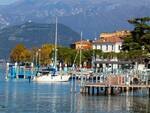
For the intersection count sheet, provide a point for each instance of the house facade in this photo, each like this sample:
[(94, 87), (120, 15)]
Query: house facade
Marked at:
[(109, 44)]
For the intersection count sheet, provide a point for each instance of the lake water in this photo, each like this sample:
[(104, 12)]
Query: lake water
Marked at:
[(20, 96)]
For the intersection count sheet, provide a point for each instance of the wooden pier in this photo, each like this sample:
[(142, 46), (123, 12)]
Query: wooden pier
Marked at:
[(110, 89)]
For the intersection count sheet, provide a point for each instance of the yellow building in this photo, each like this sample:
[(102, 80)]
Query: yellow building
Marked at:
[(84, 44), (121, 34)]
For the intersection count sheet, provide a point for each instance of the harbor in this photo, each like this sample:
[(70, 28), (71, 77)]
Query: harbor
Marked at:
[(104, 83), (56, 97), (74, 56), (58, 79)]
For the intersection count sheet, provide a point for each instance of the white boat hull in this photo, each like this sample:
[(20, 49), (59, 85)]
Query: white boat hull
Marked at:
[(50, 78)]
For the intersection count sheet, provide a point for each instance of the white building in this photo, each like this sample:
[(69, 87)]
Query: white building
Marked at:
[(109, 44)]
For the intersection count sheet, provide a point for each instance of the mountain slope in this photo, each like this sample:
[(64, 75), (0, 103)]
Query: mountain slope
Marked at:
[(89, 16), (34, 35)]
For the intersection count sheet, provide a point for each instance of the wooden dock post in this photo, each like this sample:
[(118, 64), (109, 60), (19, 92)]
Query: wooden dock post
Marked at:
[(84, 90), (109, 91), (97, 90), (112, 91), (132, 91), (149, 92), (106, 88), (92, 90), (81, 90), (75, 83), (124, 89), (88, 90), (120, 90), (127, 91)]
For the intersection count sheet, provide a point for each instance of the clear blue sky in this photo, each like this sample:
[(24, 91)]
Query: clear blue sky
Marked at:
[(6, 1)]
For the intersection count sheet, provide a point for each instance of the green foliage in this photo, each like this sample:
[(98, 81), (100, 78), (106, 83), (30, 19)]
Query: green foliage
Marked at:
[(66, 55), (140, 35)]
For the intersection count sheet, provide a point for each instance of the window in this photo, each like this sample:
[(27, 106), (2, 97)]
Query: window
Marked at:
[(98, 47), (119, 47)]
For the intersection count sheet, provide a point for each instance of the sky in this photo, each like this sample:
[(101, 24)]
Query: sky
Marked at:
[(4, 2)]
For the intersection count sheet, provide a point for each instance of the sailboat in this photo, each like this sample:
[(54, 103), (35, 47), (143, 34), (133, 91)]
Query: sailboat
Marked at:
[(52, 75)]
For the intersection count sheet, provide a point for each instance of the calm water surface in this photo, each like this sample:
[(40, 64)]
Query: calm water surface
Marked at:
[(23, 97)]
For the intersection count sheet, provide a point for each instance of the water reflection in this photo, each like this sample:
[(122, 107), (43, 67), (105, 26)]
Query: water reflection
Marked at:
[(22, 97)]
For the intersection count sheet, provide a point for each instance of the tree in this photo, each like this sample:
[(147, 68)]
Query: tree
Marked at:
[(44, 54), (138, 44), (145, 39), (140, 35), (20, 54), (66, 55)]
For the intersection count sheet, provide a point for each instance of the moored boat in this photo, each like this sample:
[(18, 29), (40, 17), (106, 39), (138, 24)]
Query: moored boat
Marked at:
[(49, 77), (52, 75)]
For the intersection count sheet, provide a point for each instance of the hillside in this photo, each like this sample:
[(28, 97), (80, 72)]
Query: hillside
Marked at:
[(89, 16), (34, 35)]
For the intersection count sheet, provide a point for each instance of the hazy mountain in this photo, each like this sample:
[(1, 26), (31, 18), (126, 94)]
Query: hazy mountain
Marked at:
[(34, 35), (89, 16)]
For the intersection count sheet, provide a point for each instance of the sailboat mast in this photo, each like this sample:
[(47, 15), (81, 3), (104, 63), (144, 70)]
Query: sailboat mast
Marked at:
[(56, 36), (81, 50)]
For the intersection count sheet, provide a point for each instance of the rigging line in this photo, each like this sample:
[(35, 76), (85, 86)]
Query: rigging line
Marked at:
[(56, 36), (75, 58), (81, 51)]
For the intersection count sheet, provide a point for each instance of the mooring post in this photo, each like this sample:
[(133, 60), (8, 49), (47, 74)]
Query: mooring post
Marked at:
[(105, 88), (120, 89), (149, 92), (81, 90), (7, 70), (112, 90), (109, 90), (127, 91), (24, 75), (97, 90), (84, 90), (132, 91), (75, 84), (71, 86), (16, 69), (93, 90), (88, 90)]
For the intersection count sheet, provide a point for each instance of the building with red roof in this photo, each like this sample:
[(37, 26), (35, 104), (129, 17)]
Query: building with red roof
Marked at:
[(84, 44), (108, 44)]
